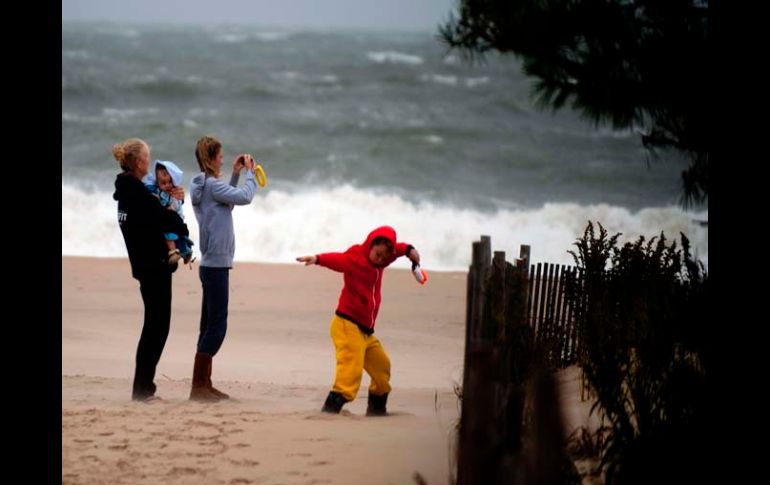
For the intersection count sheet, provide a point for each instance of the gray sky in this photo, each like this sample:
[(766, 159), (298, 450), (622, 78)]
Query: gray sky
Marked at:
[(367, 14)]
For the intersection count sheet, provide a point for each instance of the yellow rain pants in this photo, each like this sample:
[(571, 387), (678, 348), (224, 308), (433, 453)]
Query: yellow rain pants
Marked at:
[(355, 353)]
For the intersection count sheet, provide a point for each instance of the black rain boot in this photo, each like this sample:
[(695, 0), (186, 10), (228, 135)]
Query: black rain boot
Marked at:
[(334, 403), (376, 405)]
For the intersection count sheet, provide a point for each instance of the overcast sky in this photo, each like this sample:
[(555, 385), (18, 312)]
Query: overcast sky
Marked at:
[(359, 14)]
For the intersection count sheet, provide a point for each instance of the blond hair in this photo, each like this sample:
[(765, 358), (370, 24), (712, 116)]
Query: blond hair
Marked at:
[(206, 151), (128, 152)]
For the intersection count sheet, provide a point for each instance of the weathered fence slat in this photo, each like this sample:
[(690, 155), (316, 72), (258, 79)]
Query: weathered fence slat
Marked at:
[(559, 315)]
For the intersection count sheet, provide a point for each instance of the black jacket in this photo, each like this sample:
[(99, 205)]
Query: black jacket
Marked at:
[(143, 221)]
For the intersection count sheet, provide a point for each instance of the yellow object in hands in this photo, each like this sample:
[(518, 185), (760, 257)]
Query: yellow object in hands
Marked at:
[(259, 172)]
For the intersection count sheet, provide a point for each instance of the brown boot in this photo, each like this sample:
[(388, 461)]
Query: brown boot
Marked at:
[(214, 390), (201, 371)]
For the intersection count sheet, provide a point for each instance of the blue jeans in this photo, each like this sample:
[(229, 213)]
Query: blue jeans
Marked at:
[(216, 293)]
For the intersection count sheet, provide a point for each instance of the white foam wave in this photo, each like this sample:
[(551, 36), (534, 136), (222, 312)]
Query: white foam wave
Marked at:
[(67, 117), (432, 139), (280, 225), (472, 82), (272, 36), (440, 79), (394, 57), (329, 79), (159, 80), (118, 114), (110, 116), (452, 80), (231, 38), (240, 37), (451, 59)]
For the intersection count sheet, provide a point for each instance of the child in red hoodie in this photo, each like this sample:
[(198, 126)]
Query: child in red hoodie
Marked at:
[(352, 327)]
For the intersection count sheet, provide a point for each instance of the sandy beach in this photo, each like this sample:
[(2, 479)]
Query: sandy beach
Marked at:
[(277, 364)]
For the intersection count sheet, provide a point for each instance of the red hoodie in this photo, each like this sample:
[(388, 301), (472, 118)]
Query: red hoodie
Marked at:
[(360, 297)]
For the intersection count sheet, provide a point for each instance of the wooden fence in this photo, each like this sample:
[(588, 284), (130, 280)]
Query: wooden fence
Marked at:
[(549, 313), (516, 314)]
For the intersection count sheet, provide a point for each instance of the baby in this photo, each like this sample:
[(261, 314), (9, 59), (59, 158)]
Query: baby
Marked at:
[(163, 177)]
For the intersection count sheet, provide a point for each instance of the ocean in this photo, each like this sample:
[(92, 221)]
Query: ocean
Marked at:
[(355, 130)]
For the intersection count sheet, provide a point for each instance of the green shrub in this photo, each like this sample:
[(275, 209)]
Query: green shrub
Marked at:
[(642, 346)]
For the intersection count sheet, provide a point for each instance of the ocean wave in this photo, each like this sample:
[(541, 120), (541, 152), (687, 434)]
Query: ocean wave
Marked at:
[(452, 80), (241, 37), (164, 84), (440, 79), (394, 57), (272, 36), (282, 223), (231, 38), (110, 116)]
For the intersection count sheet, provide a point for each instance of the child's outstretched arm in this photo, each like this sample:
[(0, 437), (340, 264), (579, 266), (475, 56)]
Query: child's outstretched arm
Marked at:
[(335, 261)]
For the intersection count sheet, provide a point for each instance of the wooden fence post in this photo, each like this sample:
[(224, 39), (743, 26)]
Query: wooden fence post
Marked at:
[(492, 396), (523, 260), (473, 457)]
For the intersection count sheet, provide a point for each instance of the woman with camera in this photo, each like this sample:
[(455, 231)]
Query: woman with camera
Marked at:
[(213, 201)]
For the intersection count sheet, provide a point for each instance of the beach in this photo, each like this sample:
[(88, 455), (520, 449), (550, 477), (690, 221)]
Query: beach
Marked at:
[(277, 363), (355, 128)]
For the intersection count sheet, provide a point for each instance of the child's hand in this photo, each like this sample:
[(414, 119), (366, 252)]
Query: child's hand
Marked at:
[(178, 193), (308, 260)]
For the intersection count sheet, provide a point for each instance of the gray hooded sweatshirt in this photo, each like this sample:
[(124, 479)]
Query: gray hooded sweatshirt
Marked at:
[(213, 202)]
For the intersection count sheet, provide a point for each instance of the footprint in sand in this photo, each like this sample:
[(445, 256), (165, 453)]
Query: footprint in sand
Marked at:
[(203, 454), (182, 470), (244, 462), (195, 422), (249, 420), (124, 465)]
